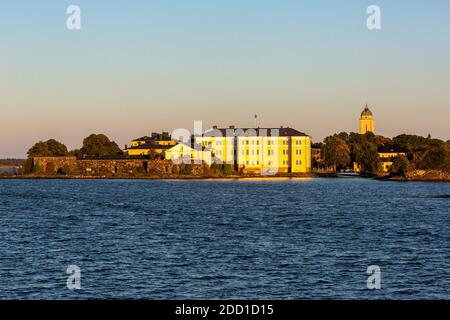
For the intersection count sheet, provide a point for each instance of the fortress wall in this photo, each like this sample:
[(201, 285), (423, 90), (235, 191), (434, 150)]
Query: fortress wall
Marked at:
[(72, 166)]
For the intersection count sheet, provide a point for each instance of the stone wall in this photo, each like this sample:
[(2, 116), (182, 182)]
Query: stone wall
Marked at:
[(121, 167)]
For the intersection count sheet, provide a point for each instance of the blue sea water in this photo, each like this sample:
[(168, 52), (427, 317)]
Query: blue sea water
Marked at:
[(290, 239)]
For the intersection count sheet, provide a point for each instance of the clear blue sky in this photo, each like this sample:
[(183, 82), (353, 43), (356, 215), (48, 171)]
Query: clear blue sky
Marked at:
[(142, 66)]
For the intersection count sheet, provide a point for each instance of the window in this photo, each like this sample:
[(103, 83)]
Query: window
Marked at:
[(247, 152), (257, 152), (298, 162), (243, 152), (253, 152), (298, 152)]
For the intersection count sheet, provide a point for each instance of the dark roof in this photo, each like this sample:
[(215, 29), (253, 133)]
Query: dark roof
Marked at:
[(150, 145), (366, 112), (251, 132), (155, 137), (144, 138)]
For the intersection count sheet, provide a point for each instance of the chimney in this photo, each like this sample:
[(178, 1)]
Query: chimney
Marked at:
[(232, 127)]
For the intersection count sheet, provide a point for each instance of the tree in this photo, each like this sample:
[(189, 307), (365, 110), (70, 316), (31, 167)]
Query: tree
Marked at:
[(400, 166), (364, 151), (366, 155), (424, 153), (49, 148), (336, 152), (99, 145)]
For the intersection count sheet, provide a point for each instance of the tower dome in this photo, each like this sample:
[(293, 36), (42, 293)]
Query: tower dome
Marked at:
[(366, 112)]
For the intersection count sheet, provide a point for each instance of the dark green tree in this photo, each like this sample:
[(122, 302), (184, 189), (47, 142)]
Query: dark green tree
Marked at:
[(400, 166), (49, 148), (335, 152), (364, 151), (99, 145)]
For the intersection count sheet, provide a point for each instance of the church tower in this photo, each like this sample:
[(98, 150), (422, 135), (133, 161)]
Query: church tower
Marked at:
[(366, 121)]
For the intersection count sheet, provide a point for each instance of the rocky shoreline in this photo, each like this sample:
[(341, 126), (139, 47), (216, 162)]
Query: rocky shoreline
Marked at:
[(421, 176)]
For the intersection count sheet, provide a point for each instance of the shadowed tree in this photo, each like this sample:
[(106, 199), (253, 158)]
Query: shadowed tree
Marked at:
[(49, 148), (99, 145), (336, 152), (400, 166)]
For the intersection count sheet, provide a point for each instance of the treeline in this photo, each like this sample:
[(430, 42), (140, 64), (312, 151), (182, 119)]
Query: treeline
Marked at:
[(12, 162), (342, 150), (95, 145)]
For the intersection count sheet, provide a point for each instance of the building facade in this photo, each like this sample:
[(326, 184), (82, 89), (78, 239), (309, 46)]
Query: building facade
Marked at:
[(259, 150), (387, 157), (188, 154), (157, 144)]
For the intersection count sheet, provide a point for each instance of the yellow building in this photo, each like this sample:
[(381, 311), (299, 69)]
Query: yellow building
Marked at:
[(184, 153), (157, 144), (366, 121), (387, 157), (259, 150)]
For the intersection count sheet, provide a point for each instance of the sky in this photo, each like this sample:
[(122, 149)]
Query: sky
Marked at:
[(141, 66)]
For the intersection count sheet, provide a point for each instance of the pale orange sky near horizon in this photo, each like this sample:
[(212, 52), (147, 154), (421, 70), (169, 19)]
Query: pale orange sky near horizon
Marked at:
[(309, 65)]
